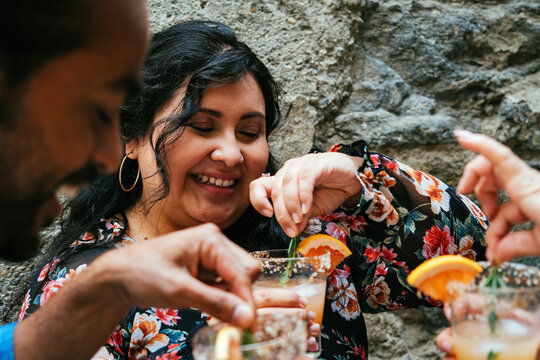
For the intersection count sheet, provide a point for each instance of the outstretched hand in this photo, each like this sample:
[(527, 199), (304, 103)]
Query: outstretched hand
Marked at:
[(305, 187), (496, 168), (197, 267)]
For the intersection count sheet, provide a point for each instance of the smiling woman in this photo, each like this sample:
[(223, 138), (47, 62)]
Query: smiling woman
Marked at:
[(197, 134)]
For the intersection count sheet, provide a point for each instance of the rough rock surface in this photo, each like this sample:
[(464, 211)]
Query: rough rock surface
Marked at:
[(401, 74)]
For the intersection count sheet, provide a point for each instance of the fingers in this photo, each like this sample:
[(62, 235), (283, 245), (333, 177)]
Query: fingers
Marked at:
[(217, 302), (230, 262), (288, 207), (445, 341), (508, 215), (474, 170), (497, 153), (276, 297), (516, 244), (260, 190)]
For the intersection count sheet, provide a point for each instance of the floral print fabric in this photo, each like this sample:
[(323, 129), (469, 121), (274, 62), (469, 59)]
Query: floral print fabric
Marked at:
[(404, 217)]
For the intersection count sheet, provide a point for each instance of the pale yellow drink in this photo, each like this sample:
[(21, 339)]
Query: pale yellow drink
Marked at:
[(513, 340), (313, 290)]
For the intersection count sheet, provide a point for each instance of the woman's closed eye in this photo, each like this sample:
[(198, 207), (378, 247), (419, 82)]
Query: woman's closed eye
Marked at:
[(251, 131), (201, 127)]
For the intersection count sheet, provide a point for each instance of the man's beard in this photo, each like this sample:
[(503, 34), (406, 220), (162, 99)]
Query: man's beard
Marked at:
[(18, 230)]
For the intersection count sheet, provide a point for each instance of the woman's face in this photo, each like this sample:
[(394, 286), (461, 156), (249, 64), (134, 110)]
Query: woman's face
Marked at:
[(222, 149)]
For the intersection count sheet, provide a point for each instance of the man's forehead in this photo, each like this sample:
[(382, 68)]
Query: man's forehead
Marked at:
[(130, 84)]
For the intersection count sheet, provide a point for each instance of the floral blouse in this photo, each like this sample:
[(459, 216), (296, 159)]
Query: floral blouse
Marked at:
[(404, 217)]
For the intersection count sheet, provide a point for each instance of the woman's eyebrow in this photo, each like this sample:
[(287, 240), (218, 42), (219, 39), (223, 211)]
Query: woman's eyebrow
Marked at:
[(218, 114), (253, 114), (211, 112)]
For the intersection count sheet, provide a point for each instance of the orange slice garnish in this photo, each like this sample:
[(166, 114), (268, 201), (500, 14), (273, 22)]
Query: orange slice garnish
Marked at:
[(433, 276), (227, 345), (320, 244)]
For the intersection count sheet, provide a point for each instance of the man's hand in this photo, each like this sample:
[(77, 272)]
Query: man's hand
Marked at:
[(197, 267), (496, 168)]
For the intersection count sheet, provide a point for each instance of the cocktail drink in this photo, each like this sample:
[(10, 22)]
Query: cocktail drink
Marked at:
[(501, 324), (313, 292), (304, 275), (278, 336)]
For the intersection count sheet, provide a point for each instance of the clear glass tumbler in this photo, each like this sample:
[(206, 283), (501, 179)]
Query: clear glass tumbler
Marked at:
[(304, 275), (502, 324), (278, 336)]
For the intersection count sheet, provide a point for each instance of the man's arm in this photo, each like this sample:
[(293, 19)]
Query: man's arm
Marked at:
[(161, 272)]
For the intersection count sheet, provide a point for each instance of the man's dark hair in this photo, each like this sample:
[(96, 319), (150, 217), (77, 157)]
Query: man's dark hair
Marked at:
[(33, 32)]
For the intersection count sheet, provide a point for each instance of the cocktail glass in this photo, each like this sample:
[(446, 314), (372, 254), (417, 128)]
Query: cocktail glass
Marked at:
[(304, 275), (502, 324), (278, 336)]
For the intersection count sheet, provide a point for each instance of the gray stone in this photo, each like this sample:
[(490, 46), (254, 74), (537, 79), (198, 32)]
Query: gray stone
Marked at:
[(401, 74)]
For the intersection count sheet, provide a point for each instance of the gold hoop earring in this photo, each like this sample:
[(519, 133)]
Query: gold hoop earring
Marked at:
[(120, 175)]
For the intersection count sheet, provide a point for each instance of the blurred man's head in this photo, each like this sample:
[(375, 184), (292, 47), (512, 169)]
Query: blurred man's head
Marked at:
[(65, 68)]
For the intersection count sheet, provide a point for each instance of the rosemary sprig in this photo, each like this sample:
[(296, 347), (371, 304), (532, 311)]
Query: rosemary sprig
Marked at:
[(247, 338), (293, 245), (493, 282)]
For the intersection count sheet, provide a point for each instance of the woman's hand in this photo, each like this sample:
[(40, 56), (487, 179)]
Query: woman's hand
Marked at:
[(283, 300), (305, 187), (270, 300), (498, 168)]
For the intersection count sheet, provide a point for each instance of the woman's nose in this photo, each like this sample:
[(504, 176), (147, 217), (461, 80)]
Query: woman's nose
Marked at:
[(229, 154)]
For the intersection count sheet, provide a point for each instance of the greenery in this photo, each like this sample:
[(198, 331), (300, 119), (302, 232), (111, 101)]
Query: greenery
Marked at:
[(293, 245)]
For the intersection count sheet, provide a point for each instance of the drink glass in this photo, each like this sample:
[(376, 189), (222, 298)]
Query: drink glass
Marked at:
[(304, 275), (502, 324), (278, 336)]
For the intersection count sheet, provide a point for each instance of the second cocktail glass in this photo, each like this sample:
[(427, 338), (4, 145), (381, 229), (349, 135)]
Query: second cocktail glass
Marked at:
[(498, 323), (304, 275)]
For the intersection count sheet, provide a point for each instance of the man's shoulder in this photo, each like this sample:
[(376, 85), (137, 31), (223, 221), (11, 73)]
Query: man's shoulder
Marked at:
[(6, 341)]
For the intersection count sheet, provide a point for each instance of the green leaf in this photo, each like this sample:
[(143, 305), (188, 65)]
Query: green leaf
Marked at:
[(418, 216), (493, 318), (248, 337), (492, 355), (410, 227), (293, 245)]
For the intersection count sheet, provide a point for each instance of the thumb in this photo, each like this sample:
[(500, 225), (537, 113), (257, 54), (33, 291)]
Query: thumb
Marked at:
[(219, 303)]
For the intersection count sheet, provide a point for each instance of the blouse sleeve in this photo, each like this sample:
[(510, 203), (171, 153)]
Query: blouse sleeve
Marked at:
[(403, 218), (51, 278)]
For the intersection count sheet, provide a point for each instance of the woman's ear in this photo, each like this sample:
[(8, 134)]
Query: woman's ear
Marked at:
[(132, 149)]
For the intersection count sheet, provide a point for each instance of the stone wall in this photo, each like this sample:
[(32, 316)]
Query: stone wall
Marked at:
[(399, 74)]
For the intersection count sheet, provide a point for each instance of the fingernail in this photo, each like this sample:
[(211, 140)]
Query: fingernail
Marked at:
[(448, 312), (458, 187), (489, 255), (315, 329), (267, 213), (242, 314), (446, 346), (290, 232), (304, 209), (296, 218), (462, 133), (311, 315), (302, 301)]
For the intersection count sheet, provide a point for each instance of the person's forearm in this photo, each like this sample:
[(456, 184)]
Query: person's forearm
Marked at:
[(75, 322)]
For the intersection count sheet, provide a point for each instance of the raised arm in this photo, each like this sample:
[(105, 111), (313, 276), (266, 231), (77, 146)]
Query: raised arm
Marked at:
[(497, 168), (391, 216), (161, 272)]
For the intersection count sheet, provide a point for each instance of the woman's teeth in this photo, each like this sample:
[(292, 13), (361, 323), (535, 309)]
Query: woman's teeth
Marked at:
[(216, 182)]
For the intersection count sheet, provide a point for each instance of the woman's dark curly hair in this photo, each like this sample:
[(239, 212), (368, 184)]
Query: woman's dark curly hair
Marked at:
[(198, 55)]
